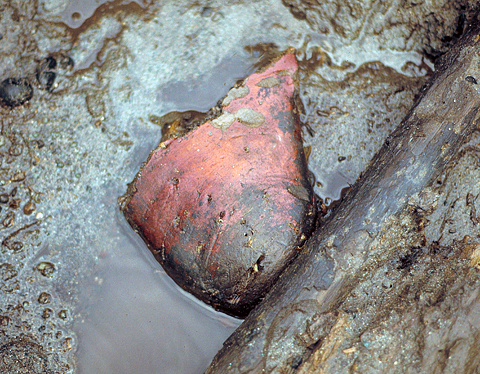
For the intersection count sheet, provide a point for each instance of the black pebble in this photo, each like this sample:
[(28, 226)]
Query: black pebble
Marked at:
[(471, 79), (15, 91), (50, 62), (45, 75), (46, 79), (207, 11)]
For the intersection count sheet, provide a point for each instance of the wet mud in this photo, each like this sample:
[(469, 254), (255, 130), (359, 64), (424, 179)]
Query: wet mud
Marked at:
[(78, 292)]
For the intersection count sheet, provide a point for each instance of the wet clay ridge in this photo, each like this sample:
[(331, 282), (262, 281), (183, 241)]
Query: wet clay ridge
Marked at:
[(227, 207)]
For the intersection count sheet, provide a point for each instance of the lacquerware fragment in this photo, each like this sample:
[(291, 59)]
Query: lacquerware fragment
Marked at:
[(226, 207)]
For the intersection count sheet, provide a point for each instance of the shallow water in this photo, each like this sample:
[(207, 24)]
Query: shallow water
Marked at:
[(136, 320)]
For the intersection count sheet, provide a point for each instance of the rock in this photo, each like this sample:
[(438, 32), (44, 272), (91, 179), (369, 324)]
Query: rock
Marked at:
[(51, 68), (15, 91), (46, 73), (228, 206)]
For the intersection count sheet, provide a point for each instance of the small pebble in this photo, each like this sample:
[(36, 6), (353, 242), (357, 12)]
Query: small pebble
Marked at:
[(47, 312), (29, 208), (46, 269), (207, 11), (44, 298), (15, 91), (471, 79), (46, 79), (62, 314)]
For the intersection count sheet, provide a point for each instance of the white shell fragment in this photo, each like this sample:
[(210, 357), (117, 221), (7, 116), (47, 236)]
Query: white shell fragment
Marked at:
[(224, 121), (268, 82), (235, 93), (250, 117)]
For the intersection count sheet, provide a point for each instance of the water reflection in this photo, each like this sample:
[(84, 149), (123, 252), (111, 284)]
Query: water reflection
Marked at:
[(132, 317), (135, 319)]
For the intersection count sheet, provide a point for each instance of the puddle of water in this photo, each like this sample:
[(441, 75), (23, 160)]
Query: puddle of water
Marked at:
[(204, 93), (330, 188), (77, 12), (132, 317), (135, 319)]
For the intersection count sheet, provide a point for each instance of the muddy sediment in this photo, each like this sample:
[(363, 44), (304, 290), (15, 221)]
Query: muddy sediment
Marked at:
[(101, 79)]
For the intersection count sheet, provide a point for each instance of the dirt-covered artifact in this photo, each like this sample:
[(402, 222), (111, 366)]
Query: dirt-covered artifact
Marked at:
[(228, 206)]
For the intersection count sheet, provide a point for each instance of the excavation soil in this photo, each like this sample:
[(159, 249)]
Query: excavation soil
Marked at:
[(80, 293)]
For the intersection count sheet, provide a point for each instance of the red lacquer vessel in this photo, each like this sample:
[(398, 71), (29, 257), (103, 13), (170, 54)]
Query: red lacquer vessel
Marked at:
[(227, 207)]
